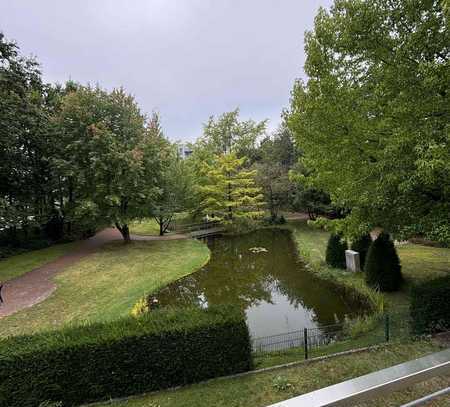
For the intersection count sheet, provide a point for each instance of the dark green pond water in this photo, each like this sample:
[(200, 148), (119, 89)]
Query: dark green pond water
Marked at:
[(273, 288)]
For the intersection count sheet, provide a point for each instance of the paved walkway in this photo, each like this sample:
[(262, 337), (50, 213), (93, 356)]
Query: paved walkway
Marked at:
[(35, 286)]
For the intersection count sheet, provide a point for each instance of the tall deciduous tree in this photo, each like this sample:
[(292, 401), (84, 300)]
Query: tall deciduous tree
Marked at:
[(111, 156), (26, 174), (228, 190), (274, 181), (229, 134), (175, 183), (373, 118), (276, 155)]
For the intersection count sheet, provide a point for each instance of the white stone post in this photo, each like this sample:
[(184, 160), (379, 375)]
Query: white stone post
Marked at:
[(352, 261)]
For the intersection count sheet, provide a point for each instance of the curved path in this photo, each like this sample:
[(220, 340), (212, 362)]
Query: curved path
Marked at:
[(36, 285)]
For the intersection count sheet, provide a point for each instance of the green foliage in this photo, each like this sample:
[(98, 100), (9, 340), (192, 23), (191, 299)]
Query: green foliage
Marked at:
[(430, 306), (81, 156), (281, 383), (140, 307), (335, 254), (228, 134), (276, 155), (278, 148), (361, 245), (312, 201), (113, 156), (274, 182), (175, 186), (373, 118), (228, 190), (27, 182), (305, 197), (382, 267), (129, 356)]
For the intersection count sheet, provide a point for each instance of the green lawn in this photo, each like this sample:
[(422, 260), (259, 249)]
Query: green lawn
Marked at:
[(258, 390), (106, 285), (16, 266), (147, 226)]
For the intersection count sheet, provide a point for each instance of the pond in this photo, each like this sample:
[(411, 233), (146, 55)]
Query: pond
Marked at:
[(272, 286)]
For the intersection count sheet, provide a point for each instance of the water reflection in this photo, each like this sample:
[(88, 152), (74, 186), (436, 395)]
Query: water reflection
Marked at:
[(273, 288)]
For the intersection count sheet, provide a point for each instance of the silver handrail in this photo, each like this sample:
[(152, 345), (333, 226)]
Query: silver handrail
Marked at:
[(427, 398), (376, 384)]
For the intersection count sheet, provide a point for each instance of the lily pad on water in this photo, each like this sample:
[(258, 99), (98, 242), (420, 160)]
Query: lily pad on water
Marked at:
[(258, 250)]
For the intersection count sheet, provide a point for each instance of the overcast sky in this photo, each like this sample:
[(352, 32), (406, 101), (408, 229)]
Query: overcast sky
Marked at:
[(187, 59)]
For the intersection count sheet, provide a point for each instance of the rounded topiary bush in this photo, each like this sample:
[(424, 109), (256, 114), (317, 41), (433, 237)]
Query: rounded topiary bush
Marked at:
[(335, 255), (361, 245), (383, 270)]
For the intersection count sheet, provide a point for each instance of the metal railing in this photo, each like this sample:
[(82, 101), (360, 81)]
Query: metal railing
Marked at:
[(376, 384), (338, 337), (192, 227), (426, 399)]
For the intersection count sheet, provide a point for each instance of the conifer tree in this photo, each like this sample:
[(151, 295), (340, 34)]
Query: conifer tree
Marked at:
[(335, 255), (228, 190), (383, 270)]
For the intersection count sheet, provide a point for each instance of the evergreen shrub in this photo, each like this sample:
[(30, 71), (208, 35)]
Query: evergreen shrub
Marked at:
[(382, 267), (161, 349), (335, 254)]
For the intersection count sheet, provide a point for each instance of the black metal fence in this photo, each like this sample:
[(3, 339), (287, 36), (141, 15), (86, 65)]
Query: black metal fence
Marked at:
[(333, 338)]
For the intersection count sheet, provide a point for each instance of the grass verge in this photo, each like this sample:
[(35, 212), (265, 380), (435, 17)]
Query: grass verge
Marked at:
[(147, 226), (311, 243), (262, 389), (20, 264), (105, 285)]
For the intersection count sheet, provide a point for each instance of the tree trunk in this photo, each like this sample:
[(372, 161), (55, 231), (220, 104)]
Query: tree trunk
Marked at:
[(273, 213), (125, 232), (161, 228)]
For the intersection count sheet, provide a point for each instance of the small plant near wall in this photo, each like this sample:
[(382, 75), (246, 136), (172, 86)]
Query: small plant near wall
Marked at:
[(383, 269), (335, 255), (144, 305), (281, 383), (141, 307)]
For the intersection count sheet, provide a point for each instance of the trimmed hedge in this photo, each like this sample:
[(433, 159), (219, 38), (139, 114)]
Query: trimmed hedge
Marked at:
[(430, 306), (382, 268), (129, 356), (335, 254)]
